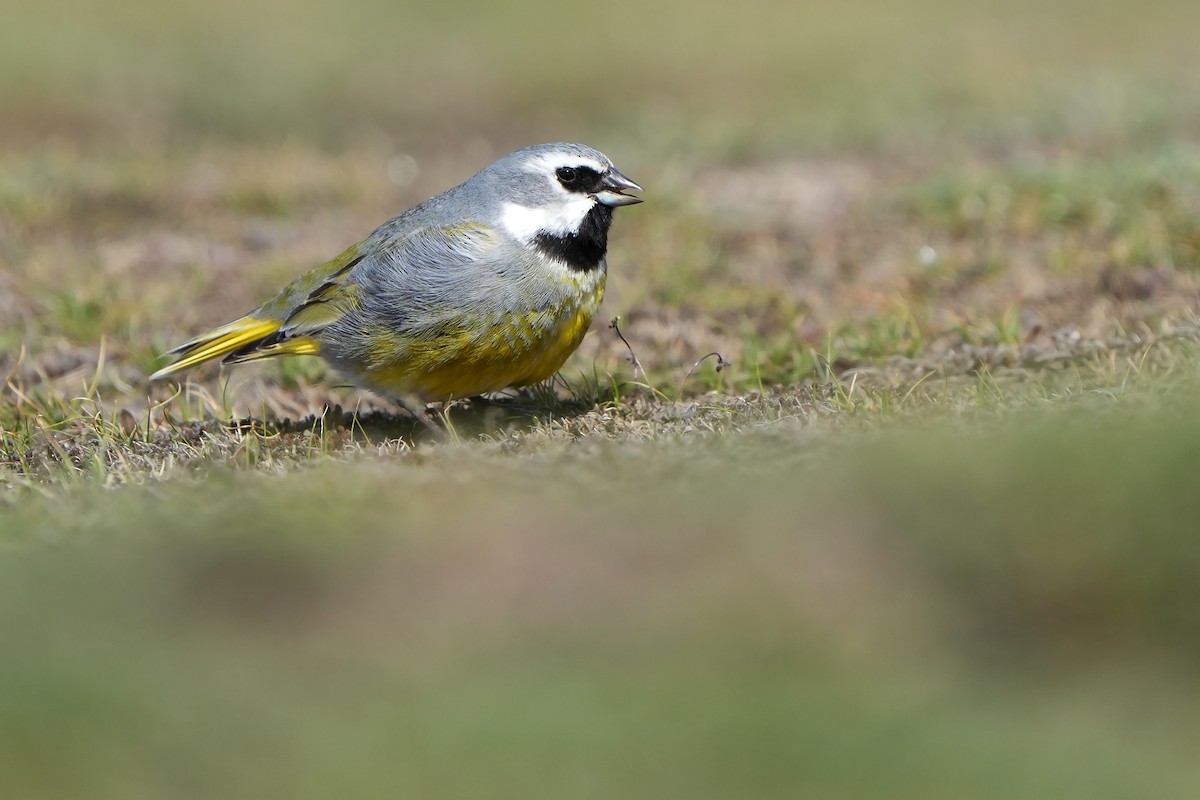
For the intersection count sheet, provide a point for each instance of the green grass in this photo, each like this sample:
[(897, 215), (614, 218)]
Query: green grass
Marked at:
[(927, 532)]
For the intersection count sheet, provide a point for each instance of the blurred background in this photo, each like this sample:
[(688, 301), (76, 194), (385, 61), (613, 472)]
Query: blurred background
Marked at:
[(980, 585), (716, 80), (847, 180)]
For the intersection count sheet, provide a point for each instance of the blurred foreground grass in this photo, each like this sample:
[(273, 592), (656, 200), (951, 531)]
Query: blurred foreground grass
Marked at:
[(1001, 609)]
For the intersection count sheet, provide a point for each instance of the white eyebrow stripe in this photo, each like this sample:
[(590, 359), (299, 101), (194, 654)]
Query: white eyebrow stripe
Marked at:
[(550, 161)]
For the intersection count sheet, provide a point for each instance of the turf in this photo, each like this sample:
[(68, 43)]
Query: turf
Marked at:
[(880, 485)]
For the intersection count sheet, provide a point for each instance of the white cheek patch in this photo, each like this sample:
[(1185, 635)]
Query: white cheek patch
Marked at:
[(559, 219)]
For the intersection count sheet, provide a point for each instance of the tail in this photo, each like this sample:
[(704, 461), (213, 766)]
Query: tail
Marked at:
[(245, 339)]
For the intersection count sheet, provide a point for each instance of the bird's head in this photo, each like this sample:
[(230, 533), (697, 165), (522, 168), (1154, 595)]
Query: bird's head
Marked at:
[(560, 190)]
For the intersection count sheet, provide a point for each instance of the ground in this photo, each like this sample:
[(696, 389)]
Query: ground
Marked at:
[(881, 485)]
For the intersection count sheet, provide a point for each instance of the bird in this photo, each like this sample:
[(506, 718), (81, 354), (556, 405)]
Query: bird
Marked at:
[(489, 285)]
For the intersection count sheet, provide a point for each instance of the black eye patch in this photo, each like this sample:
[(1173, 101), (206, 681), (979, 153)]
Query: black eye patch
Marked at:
[(579, 179)]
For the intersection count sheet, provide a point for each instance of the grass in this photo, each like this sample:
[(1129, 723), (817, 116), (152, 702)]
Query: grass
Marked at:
[(926, 532), (767, 612)]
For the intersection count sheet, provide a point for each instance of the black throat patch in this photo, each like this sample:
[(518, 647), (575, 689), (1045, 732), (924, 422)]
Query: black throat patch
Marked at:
[(584, 249)]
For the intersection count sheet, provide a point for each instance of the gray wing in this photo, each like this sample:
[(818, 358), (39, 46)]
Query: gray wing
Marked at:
[(432, 281), (440, 273)]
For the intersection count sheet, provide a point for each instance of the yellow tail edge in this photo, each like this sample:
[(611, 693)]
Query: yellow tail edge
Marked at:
[(302, 346), (219, 342)]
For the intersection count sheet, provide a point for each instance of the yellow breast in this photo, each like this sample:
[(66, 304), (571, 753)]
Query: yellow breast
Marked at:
[(475, 357)]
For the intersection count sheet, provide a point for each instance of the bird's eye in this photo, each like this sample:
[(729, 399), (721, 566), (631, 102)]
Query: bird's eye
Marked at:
[(566, 175)]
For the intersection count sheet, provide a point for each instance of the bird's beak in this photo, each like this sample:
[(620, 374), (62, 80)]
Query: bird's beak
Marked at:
[(611, 194)]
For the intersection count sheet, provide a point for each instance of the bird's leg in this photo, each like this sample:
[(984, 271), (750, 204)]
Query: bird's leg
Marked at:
[(415, 406)]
